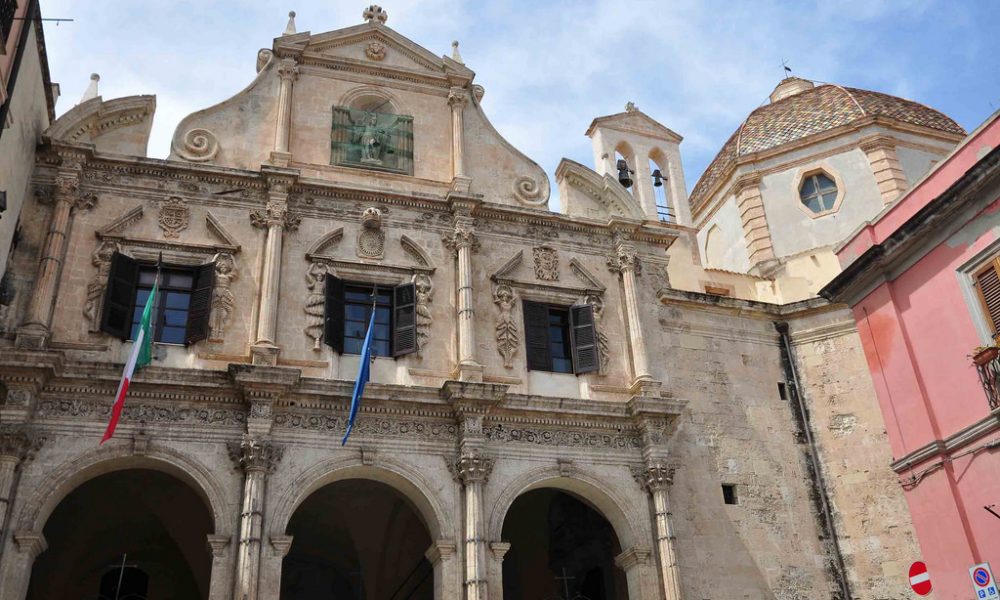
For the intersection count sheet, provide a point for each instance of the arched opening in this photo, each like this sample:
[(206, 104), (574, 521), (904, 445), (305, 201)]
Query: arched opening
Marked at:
[(658, 172), (137, 533), (715, 247), (560, 547), (625, 166), (357, 539), (370, 133)]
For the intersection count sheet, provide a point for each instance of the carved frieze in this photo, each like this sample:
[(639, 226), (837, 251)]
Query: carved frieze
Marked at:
[(366, 425), (546, 263), (175, 214), (508, 339), (101, 259), (223, 300), (141, 413), (559, 437)]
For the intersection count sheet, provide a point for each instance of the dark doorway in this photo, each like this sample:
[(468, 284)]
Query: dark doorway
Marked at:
[(560, 548), (357, 540), (156, 522)]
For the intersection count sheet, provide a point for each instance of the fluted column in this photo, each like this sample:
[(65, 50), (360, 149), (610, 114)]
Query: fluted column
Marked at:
[(275, 219), (256, 458), (288, 72), (35, 331), (656, 479), (462, 243), (625, 262), (458, 98), (473, 471)]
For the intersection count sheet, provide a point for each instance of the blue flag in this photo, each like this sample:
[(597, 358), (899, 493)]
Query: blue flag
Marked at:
[(364, 367)]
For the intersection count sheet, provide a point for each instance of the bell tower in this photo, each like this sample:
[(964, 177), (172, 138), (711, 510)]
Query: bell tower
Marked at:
[(652, 154)]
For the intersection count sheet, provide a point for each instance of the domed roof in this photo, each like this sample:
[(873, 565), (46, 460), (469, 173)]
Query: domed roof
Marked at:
[(799, 109)]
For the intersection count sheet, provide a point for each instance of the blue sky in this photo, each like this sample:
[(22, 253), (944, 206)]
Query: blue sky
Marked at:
[(550, 67)]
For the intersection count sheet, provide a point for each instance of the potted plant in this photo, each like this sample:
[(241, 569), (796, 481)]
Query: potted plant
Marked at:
[(984, 354)]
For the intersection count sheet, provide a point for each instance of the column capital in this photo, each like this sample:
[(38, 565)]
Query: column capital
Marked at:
[(625, 258), (280, 545), (255, 455), (745, 181), (31, 543), (878, 141), (499, 549), (633, 557), (288, 69), (218, 545), (473, 468), (275, 213), (462, 237), (440, 550), (654, 476), (20, 441), (457, 98)]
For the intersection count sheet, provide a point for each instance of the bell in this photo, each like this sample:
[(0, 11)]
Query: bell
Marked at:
[(623, 174), (657, 178)]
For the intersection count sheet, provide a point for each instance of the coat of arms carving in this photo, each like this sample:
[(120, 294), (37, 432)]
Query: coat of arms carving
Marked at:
[(174, 217), (546, 263)]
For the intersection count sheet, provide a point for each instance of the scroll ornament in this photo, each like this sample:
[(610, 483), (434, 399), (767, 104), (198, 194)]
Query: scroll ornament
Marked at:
[(198, 145)]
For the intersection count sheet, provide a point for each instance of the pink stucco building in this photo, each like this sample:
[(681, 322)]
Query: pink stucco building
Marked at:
[(923, 281)]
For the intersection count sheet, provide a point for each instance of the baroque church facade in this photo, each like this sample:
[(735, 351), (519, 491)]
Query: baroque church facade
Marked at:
[(640, 396)]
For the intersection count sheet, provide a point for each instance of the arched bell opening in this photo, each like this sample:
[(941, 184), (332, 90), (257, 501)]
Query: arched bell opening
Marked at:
[(135, 534), (358, 539), (560, 547)]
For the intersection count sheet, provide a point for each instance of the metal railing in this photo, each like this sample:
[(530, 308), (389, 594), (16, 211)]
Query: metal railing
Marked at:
[(989, 375)]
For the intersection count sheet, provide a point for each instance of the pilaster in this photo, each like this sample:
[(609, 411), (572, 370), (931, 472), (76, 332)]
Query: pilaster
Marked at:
[(625, 262), (458, 99), (288, 72), (463, 243), (889, 176), (750, 205)]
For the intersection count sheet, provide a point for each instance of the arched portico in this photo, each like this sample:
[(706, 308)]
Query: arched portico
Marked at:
[(52, 488)]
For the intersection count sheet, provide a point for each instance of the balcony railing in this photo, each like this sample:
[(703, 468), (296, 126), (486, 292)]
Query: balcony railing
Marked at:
[(988, 367)]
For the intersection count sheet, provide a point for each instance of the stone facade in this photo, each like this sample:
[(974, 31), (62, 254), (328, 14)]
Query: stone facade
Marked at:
[(684, 398)]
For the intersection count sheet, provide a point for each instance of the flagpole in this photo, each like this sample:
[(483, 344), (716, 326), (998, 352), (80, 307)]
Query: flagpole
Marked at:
[(121, 576)]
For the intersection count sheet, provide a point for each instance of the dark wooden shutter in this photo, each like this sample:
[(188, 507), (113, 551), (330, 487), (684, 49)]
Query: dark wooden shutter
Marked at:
[(333, 324), (404, 319), (200, 308), (536, 336), (988, 283), (119, 296), (584, 337)]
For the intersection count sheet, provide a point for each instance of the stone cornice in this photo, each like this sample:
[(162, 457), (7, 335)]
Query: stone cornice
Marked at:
[(745, 308), (956, 441)]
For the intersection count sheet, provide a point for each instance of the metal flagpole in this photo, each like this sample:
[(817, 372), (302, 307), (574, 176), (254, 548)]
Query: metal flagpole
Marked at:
[(121, 576)]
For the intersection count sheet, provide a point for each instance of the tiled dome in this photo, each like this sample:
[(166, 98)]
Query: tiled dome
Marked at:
[(799, 109)]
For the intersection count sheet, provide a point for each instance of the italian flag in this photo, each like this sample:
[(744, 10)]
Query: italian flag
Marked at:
[(140, 356)]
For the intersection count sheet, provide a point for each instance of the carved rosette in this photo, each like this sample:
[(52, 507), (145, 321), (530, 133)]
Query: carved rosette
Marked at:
[(175, 214), (425, 294), (19, 441), (375, 50), (473, 468), (508, 339), (223, 300), (546, 263), (101, 258), (255, 455), (654, 476), (371, 240), (316, 303)]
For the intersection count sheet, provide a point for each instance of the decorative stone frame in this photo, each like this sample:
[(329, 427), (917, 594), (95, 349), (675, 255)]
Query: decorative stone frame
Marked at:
[(799, 180), (966, 275)]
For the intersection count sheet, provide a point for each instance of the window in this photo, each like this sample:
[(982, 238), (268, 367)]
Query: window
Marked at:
[(7, 10), (782, 390), (988, 289), (349, 309), (560, 339), (729, 494), (181, 312), (818, 192)]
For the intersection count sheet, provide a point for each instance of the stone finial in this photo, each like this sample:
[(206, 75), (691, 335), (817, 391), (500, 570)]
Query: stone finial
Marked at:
[(375, 14), (630, 106), (290, 28), (455, 56), (91, 92)]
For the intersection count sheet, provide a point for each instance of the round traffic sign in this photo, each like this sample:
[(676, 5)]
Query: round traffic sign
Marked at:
[(981, 576), (920, 580)]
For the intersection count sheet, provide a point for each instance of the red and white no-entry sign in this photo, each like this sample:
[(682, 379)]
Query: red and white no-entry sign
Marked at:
[(920, 580)]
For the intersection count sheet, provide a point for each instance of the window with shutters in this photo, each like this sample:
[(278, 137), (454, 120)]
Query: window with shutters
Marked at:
[(349, 308), (183, 304), (560, 339), (988, 288)]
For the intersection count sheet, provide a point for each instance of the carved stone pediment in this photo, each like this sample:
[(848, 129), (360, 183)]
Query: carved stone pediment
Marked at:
[(574, 280)]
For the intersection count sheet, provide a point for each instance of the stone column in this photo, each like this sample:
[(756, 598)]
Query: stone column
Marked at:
[(35, 331), (256, 458), (625, 262), (633, 561), (656, 478), (18, 444), (756, 231), (458, 98), (218, 545), (440, 553), (498, 551), (889, 175), (462, 243), (16, 572), (274, 219), (473, 471), (288, 72)]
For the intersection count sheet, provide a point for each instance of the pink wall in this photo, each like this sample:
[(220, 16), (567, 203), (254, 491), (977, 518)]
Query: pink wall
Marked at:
[(918, 332)]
